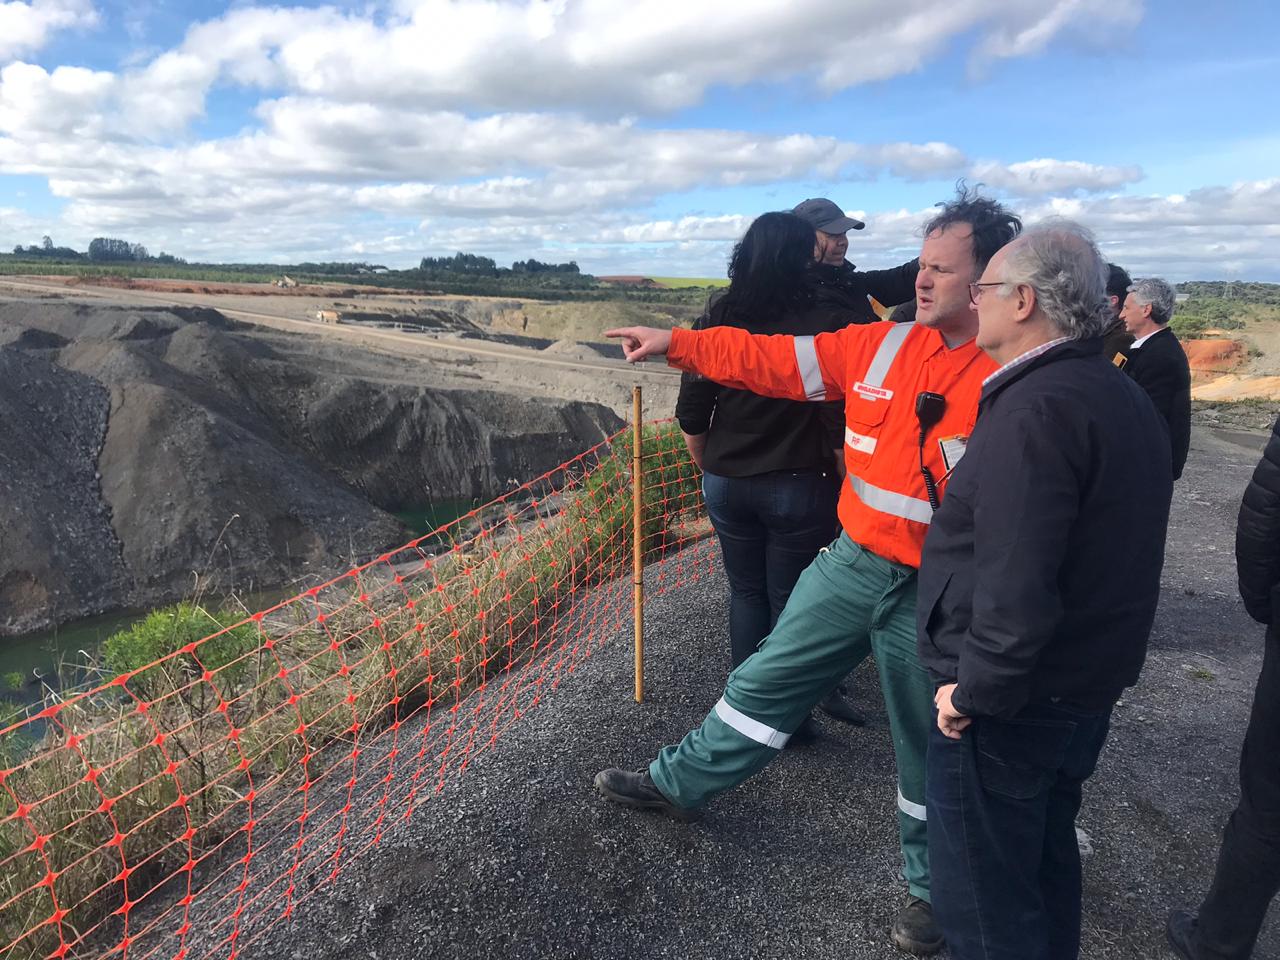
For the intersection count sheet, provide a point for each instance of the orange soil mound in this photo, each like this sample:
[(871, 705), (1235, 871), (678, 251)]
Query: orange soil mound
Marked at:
[(1213, 357)]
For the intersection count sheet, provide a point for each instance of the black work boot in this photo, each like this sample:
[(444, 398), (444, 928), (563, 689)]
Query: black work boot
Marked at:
[(915, 931), (1180, 929), (635, 788), (835, 705)]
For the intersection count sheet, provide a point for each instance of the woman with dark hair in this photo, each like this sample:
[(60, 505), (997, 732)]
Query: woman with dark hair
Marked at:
[(771, 468)]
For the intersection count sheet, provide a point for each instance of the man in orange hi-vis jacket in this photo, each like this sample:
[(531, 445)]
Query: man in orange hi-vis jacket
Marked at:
[(911, 398)]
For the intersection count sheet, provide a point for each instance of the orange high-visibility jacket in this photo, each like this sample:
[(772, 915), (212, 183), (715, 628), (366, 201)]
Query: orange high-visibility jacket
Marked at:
[(878, 369)]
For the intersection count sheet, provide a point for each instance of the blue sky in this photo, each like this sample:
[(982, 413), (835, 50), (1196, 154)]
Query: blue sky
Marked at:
[(634, 138)]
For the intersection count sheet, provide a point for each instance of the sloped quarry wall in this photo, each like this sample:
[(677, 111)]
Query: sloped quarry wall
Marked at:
[(142, 448)]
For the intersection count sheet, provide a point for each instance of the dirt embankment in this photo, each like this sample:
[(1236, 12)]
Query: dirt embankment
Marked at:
[(1211, 358), (211, 288), (143, 446)]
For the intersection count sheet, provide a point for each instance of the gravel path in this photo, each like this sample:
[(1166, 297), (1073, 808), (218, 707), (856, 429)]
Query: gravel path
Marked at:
[(521, 859)]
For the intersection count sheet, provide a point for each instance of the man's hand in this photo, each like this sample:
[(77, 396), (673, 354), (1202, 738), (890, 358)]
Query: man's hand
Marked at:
[(639, 343), (950, 720)]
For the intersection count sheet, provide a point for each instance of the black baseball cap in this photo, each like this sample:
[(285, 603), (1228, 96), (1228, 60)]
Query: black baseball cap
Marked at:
[(826, 216)]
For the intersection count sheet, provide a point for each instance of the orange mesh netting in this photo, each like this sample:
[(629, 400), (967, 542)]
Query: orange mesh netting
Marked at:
[(198, 797)]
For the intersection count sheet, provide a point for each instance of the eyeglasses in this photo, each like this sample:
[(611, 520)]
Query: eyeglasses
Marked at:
[(975, 289)]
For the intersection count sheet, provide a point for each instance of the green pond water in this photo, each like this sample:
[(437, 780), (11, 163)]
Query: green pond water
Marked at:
[(423, 520), (76, 645)]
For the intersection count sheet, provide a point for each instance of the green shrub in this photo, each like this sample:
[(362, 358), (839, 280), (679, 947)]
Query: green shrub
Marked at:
[(215, 644)]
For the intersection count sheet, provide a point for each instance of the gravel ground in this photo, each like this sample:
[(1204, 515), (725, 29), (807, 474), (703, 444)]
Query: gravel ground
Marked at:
[(522, 859)]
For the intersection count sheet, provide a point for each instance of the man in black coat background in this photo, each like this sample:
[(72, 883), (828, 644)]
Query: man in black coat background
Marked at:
[(1036, 596), (1248, 872), (1116, 340), (835, 282), (1157, 362)]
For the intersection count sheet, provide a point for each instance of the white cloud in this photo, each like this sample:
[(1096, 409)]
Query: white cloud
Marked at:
[(720, 229), (25, 27), (36, 104), (1037, 178), (593, 55), (526, 126), (1030, 28), (1206, 233)]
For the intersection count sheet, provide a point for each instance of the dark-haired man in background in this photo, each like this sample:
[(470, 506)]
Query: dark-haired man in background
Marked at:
[(1115, 338)]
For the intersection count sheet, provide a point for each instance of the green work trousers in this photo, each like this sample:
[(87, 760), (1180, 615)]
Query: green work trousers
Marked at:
[(849, 602)]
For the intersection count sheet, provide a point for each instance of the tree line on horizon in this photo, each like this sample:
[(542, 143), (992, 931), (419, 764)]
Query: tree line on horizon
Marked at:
[(101, 250), (475, 274)]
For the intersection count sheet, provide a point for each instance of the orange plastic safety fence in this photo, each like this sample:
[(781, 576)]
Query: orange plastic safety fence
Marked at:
[(183, 807)]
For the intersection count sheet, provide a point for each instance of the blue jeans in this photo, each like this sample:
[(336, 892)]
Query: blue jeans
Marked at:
[(1003, 858), (770, 526)]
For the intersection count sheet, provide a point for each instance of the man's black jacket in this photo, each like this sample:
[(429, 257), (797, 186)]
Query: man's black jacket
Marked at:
[(844, 289), (1160, 367), (1041, 570), (1258, 537), (1116, 341)]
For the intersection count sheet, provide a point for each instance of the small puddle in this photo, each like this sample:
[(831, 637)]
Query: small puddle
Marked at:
[(423, 520)]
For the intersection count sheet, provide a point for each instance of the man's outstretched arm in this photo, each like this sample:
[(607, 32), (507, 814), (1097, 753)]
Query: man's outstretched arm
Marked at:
[(792, 368)]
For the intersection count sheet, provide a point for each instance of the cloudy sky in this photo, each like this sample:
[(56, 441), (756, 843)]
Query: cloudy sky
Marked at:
[(636, 136)]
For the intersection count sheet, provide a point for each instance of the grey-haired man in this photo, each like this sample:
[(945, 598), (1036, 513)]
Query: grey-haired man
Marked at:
[(1157, 362)]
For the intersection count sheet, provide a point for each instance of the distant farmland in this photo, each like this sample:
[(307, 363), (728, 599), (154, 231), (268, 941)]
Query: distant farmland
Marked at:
[(678, 283)]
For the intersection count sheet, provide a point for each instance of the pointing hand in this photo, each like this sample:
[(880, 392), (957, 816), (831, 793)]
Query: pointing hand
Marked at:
[(639, 343)]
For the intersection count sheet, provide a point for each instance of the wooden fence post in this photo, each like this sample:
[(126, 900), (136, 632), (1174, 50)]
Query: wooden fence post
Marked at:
[(637, 535)]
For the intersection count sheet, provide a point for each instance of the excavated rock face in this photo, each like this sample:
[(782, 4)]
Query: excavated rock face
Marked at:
[(141, 448), (59, 556)]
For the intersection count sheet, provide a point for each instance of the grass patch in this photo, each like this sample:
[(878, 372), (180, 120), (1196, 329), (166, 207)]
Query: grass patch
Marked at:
[(680, 283), (134, 271)]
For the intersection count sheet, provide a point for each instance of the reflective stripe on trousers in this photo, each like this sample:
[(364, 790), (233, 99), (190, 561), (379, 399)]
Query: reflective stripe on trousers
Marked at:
[(752, 729)]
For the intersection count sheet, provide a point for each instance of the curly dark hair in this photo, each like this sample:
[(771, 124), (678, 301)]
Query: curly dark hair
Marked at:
[(767, 269), (993, 226)]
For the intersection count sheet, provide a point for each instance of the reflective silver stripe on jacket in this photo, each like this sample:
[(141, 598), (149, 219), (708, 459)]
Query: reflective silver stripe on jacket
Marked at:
[(894, 504), (810, 372), (751, 729), (886, 354), (915, 811)]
